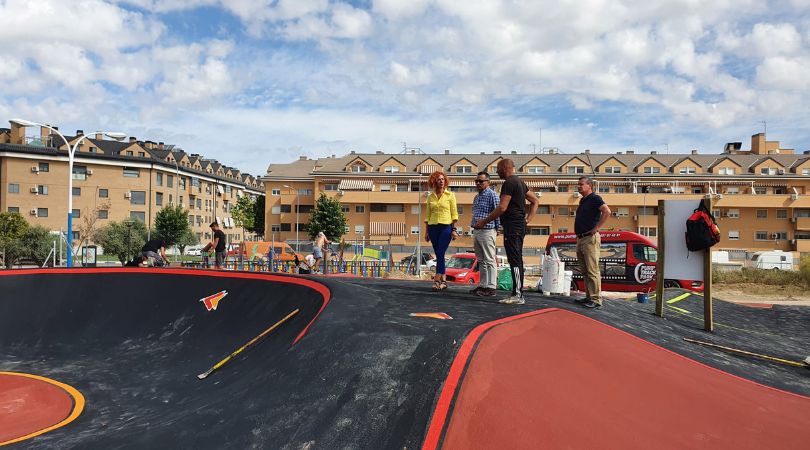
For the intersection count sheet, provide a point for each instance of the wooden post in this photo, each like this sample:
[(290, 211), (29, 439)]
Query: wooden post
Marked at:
[(708, 313), (659, 272)]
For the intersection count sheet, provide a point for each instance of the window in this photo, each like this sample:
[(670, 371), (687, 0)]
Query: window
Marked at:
[(565, 211), (781, 214), (732, 190), (387, 188), (360, 209), (137, 198), (463, 169), (562, 188), (687, 170), (727, 171), (13, 188), (275, 192), (138, 215), (767, 171), (77, 192), (645, 253), (158, 179), (391, 169), (132, 172), (42, 189), (76, 213), (275, 228), (603, 189), (199, 203), (538, 231), (42, 212), (330, 187), (805, 172), (103, 214), (620, 189), (460, 209), (305, 209), (648, 231), (344, 208), (651, 169), (535, 169), (415, 229), (359, 229), (648, 211), (562, 230), (142, 154), (781, 236), (181, 182), (733, 213), (195, 182), (169, 180), (761, 235), (613, 169), (575, 169), (622, 211), (286, 208), (779, 190), (14, 209), (803, 235), (275, 210), (303, 227), (760, 191), (544, 210), (734, 235), (762, 214), (129, 153), (697, 190), (44, 167), (304, 191), (103, 193), (359, 168), (79, 172), (159, 198)]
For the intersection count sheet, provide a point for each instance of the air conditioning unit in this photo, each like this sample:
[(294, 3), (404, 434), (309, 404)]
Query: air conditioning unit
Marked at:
[(780, 171), (572, 213), (793, 219), (89, 172), (794, 196), (33, 211), (35, 169), (793, 242), (614, 214), (635, 217), (774, 235), (128, 194)]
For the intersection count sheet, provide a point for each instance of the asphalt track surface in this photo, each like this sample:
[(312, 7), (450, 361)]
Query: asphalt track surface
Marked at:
[(364, 374)]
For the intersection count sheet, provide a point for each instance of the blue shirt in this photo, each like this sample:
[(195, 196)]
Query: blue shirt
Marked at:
[(484, 203)]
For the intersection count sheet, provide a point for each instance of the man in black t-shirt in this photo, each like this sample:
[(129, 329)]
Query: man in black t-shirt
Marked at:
[(512, 211), (592, 214), (218, 244), (155, 252)]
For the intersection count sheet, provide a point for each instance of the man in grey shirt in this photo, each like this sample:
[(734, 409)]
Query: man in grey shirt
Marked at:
[(484, 237)]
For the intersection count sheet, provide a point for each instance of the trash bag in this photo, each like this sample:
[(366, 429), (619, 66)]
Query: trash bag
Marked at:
[(505, 279)]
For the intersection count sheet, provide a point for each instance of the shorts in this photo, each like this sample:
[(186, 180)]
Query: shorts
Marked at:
[(317, 252)]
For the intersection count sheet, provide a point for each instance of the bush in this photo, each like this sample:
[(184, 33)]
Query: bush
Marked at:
[(768, 277), (804, 269)]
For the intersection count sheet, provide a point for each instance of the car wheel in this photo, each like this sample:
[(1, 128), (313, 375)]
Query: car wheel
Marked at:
[(671, 284), (471, 281)]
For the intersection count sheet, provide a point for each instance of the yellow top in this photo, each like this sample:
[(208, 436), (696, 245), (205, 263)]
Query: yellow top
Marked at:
[(441, 210)]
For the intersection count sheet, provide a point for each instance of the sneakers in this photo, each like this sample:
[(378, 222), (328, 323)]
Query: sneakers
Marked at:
[(513, 300), (476, 290), (592, 305), (485, 292), (582, 300)]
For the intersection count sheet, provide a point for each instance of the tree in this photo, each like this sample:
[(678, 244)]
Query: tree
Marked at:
[(189, 238), (87, 227), (242, 213), (12, 229), (171, 224), (122, 239), (38, 243), (258, 216), (327, 216)]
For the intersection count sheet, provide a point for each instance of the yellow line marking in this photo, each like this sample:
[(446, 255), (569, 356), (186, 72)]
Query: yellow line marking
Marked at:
[(78, 405), (678, 298), (743, 352), (679, 309), (722, 325)]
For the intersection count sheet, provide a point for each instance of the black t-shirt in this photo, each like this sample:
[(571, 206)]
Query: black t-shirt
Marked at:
[(588, 213), (221, 243), (514, 218), (154, 246)]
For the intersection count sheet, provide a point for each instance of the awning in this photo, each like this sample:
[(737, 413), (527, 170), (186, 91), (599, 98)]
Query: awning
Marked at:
[(356, 185), (771, 183), (540, 184), (462, 183), (613, 182), (429, 168), (567, 181), (386, 228), (655, 183)]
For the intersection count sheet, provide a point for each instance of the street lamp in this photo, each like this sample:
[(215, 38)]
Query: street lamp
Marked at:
[(71, 152), (297, 242), (176, 198)]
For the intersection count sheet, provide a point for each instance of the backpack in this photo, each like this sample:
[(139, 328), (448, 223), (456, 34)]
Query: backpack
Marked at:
[(702, 231)]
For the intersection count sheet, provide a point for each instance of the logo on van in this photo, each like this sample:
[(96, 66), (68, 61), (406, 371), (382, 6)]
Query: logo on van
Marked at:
[(644, 273)]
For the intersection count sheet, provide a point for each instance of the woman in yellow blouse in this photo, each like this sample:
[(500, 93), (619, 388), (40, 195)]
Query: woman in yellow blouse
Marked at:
[(440, 220)]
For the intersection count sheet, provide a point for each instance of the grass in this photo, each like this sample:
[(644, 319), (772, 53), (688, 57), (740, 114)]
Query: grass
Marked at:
[(787, 283)]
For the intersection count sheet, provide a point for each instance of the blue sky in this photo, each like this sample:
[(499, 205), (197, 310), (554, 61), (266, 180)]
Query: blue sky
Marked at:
[(254, 82)]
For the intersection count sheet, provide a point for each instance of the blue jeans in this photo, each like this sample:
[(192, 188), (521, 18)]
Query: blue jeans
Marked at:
[(440, 236)]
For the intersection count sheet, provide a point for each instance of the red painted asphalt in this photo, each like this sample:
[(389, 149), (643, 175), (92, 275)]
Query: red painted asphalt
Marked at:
[(28, 405), (557, 379)]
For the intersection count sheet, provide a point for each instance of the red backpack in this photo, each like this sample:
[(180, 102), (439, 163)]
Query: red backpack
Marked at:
[(701, 229)]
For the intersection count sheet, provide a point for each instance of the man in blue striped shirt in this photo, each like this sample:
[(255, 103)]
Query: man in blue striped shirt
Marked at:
[(484, 237)]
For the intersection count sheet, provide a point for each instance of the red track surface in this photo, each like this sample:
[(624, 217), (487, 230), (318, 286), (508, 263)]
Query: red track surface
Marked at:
[(28, 405), (556, 379)]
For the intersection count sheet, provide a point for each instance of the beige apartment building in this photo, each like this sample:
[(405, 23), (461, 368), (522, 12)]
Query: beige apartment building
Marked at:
[(115, 181), (759, 195)]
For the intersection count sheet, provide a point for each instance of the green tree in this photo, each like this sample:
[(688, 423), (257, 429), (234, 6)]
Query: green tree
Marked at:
[(171, 224), (38, 243), (258, 216), (122, 239), (327, 216), (242, 213), (187, 239), (12, 229)]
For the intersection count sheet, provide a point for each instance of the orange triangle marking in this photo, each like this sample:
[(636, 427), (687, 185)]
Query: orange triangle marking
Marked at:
[(212, 301), (433, 315)]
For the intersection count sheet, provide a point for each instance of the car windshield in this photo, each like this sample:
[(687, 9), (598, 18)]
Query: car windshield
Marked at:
[(460, 263)]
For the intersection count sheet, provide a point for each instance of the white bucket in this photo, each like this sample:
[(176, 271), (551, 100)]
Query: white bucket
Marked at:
[(553, 280), (569, 278)]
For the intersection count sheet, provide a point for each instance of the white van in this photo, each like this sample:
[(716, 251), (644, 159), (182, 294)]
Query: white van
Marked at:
[(776, 259)]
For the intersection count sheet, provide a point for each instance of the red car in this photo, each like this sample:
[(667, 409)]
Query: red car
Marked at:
[(463, 268)]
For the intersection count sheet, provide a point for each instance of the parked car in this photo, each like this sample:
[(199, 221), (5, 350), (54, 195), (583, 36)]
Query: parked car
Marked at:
[(463, 268), (428, 261), (194, 250), (775, 259), (627, 261)]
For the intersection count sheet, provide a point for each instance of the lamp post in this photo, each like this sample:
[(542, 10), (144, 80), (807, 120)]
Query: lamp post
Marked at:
[(71, 152), (297, 242), (176, 198)]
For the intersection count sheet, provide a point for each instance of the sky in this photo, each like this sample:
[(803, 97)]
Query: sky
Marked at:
[(255, 82)]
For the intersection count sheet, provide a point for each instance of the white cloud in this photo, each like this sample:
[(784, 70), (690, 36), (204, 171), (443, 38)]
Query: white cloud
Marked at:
[(398, 9)]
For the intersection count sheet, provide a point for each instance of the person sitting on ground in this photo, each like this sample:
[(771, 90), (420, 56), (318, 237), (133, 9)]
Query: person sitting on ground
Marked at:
[(302, 267), (155, 251), (139, 261)]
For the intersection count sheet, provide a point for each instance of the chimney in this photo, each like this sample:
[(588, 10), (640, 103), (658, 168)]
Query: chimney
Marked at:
[(447, 152), (79, 133), (483, 153), (379, 152), (514, 152), (618, 153), (352, 152), (133, 139), (694, 151), (587, 151), (333, 156), (302, 158), (161, 145), (17, 134), (653, 152), (496, 152), (413, 151), (758, 144), (99, 137), (631, 152)]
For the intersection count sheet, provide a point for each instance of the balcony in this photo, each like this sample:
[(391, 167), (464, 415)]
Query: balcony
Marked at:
[(803, 223), (396, 217)]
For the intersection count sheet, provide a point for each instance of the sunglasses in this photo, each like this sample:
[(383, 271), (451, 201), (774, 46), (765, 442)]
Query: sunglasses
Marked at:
[(481, 181)]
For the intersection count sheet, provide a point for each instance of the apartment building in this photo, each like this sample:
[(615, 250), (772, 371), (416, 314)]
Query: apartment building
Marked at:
[(759, 194), (115, 181)]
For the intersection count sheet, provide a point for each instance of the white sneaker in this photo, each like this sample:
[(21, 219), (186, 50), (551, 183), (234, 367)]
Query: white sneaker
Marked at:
[(513, 300)]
